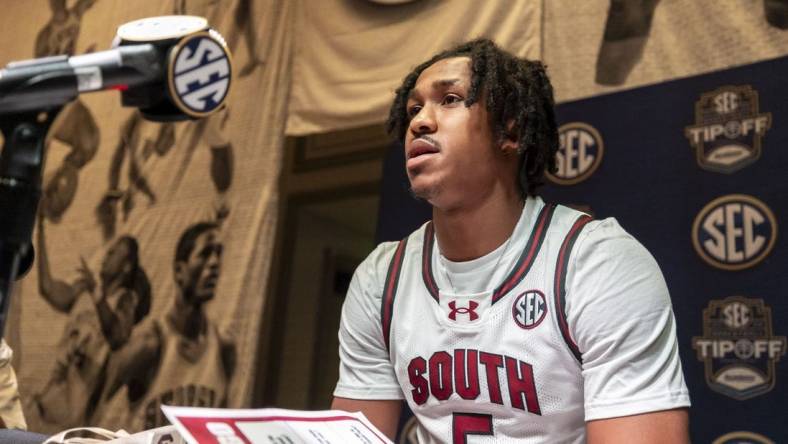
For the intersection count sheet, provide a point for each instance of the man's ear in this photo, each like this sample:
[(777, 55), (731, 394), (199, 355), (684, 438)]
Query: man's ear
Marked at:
[(127, 267), (509, 138), (179, 271)]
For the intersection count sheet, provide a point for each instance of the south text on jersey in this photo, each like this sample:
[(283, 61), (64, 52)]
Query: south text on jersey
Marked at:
[(458, 372)]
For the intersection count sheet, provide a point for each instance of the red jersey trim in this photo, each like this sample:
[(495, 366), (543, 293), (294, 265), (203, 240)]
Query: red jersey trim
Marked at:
[(561, 267), (517, 274), (426, 261), (390, 290), (528, 255)]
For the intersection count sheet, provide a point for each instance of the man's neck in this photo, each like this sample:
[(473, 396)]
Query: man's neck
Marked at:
[(188, 319), (467, 233)]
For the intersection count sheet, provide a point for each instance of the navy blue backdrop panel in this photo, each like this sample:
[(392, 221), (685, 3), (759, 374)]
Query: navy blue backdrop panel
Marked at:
[(695, 169)]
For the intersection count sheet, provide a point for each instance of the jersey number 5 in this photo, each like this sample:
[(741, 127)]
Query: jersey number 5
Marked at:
[(464, 424)]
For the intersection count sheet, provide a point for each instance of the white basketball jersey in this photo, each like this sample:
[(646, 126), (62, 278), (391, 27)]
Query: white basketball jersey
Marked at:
[(194, 379), (494, 366)]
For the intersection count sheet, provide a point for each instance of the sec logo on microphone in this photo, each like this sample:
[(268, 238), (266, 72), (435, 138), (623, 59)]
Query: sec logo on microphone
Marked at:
[(199, 73)]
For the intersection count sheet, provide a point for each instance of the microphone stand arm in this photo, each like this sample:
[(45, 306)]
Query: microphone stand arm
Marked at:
[(32, 93)]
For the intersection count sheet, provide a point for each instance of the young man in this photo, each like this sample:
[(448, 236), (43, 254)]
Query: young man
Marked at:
[(180, 358), (505, 318), (99, 322)]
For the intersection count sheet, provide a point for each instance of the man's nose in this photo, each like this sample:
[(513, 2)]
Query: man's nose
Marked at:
[(423, 122), (215, 260)]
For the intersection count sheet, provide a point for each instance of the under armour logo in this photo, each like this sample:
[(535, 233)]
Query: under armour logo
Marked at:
[(470, 310)]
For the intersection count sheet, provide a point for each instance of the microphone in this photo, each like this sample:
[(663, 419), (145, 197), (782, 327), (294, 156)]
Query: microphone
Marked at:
[(171, 67)]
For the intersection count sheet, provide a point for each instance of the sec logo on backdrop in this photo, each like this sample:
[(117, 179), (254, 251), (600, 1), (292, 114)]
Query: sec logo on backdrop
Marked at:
[(734, 232), (742, 437), (579, 153)]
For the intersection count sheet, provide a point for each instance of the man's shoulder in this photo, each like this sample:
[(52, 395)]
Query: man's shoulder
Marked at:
[(558, 220), (381, 255), (227, 350), (380, 258), (564, 217), (369, 280), (369, 277), (601, 239), (604, 246), (608, 232), (151, 330)]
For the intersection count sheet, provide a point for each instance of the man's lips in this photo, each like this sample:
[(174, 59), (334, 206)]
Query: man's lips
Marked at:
[(211, 280), (422, 146)]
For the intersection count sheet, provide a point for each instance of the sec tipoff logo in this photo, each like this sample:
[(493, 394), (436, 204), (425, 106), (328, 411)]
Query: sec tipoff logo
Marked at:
[(529, 309), (742, 438), (728, 129), (199, 73), (738, 347), (734, 232), (579, 153)]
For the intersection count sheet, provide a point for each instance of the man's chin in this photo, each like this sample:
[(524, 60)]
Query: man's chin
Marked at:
[(204, 296), (425, 192), (417, 194)]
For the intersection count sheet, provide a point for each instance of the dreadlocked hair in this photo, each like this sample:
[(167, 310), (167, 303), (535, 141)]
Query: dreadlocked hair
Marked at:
[(517, 90)]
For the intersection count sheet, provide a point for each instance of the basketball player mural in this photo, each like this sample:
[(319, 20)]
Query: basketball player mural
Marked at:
[(102, 316), (133, 149), (75, 126), (178, 358), (627, 30), (505, 317), (141, 139)]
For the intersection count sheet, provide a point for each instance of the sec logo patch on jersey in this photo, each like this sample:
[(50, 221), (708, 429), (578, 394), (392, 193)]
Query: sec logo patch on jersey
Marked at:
[(529, 309), (734, 232)]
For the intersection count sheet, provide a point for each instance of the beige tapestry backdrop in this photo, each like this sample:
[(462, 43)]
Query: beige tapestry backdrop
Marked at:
[(350, 55), (599, 46), (154, 240), (113, 321)]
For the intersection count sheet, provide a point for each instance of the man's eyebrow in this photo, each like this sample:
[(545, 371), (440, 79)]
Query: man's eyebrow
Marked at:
[(438, 84), (442, 83)]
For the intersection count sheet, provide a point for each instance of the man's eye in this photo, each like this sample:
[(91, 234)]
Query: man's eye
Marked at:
[(451, 98), (413, 110)]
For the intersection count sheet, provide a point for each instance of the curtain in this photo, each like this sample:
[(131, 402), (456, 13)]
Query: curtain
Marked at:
[(154, 240), (351, 55), (599, 46)]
